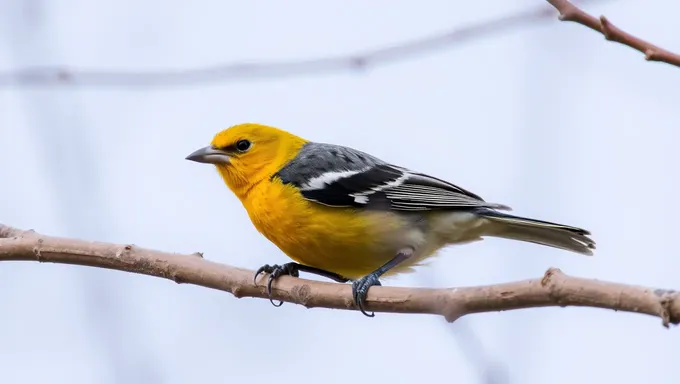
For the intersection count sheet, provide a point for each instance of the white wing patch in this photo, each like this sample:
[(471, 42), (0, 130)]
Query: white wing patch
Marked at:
[(362, 197), (324, 179)]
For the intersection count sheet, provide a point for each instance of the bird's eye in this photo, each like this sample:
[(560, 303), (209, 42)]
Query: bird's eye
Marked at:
[(242, 145)]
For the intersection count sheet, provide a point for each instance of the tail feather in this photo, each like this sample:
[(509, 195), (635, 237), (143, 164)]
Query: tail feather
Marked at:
[(540, 232)]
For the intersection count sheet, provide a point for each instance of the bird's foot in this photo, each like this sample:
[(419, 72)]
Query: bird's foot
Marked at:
[(360, 290), (275, 271)]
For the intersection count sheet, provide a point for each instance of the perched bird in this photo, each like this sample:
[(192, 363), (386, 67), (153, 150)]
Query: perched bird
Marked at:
[(346, 215)]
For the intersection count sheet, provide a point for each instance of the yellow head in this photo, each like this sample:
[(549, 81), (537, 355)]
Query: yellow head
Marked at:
[(247, 154)]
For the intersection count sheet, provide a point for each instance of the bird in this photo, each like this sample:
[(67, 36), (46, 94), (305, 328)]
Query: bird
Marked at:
[(346, 215)]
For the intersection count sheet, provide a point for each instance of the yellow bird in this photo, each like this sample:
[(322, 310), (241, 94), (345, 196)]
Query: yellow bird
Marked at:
[(349, 216)]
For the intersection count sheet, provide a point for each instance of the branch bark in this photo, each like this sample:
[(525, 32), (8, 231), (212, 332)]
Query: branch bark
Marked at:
[(553, 289), (570, 12)]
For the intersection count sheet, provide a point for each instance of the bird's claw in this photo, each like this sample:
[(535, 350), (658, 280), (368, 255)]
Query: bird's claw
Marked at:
[(275, 271), (360, 290)]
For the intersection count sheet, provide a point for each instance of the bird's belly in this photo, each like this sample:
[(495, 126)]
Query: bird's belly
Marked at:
[(346, 241), (352, 242)]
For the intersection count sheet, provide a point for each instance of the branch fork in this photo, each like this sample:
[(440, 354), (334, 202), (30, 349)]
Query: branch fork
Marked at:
[(570, 12)]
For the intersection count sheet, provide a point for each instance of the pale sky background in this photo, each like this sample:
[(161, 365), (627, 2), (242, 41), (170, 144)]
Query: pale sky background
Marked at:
[(550, 119)]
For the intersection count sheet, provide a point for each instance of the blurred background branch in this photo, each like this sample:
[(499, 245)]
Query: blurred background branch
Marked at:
[(554, 289), (358, 61)]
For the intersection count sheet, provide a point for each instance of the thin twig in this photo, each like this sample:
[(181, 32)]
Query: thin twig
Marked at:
[(359, 61), (553, 289), (569, 12)]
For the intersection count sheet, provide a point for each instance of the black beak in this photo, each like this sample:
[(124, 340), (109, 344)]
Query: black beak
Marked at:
[(209, 155)]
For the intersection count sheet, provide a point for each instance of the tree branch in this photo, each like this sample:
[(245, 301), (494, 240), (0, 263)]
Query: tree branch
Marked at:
[(553, 289), (569, 12)]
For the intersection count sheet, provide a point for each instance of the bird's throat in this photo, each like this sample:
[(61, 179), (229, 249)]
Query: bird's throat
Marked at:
[(239, 184)]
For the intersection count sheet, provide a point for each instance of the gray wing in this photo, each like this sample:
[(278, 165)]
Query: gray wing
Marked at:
[(339, 176)]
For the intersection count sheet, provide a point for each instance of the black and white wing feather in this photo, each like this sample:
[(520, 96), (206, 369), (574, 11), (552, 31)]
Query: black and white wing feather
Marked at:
[(343, 177)]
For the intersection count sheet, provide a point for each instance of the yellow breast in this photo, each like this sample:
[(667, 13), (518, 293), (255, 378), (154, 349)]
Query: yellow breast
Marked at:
[(351, 242)]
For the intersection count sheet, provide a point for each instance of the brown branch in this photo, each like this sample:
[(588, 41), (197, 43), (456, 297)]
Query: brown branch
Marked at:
[(569, 12), (554, 289), (358, 61)]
